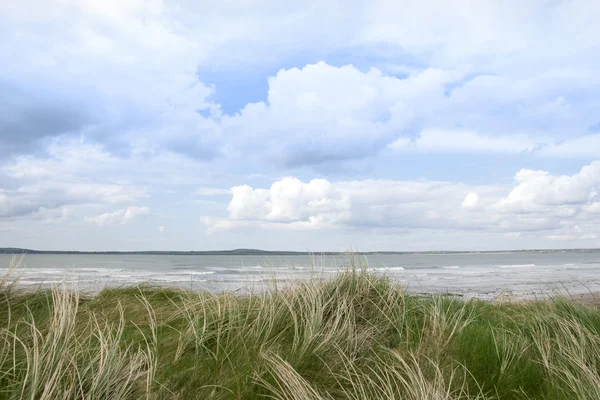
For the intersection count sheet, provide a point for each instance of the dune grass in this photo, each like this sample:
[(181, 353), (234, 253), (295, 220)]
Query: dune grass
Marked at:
[(356, 336)]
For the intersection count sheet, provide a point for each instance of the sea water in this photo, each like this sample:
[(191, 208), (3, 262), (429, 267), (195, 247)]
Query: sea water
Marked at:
[(483, 275)]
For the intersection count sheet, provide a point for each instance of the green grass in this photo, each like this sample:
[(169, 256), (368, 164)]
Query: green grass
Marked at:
[(356, 336)]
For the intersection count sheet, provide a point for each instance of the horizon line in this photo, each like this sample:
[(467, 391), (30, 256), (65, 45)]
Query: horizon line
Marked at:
[(250, 251)]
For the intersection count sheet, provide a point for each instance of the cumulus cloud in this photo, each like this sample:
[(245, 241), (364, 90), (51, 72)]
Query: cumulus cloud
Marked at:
[(323, 113), (539, 202), (538, 189), (120, 217), (291, 203), (127, 74)]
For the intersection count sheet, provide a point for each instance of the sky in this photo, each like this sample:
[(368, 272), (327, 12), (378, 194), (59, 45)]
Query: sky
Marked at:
[(316, 125)]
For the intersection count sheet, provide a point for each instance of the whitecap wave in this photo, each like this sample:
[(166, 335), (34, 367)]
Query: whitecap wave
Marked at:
[(192, 273), (517, 266)]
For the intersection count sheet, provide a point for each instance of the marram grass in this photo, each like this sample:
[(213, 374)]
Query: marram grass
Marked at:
[(356, 336)]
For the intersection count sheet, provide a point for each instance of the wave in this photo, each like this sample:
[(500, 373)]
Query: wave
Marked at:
[(386, 269), (63, 271), (93, 270), (451, 267), (517, 266), (191, 273), (43, 271), (49, 282), (247, 267), (169, 279)]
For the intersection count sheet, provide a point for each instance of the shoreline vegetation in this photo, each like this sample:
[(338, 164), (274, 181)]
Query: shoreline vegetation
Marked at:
[(354, 336), (257, 252)]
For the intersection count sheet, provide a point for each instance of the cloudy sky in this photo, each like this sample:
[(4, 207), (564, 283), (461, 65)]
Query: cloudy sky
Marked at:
[(318, 125)]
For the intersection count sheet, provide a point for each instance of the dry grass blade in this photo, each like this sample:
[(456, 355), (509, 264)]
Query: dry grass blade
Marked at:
[(9, 281), (288, 385), (356, 336)]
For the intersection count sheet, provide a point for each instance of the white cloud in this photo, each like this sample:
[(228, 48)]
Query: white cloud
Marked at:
[(560, 237), (29, 199), (74, 173), (584, 146), (466, 141), (131, 42), (321, 113), (593, 207), (552, 104), (461, 29), (121, 217), (144, 59), (232, 33), (292, 204), (471, 200), (53, 215), (462, 141), (291, 201), (491, 33), (130, 68), (539, 202), (401, 144), (538, 189), (437, 140)]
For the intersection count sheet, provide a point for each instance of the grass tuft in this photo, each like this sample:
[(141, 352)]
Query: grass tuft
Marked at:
[(355, 336)]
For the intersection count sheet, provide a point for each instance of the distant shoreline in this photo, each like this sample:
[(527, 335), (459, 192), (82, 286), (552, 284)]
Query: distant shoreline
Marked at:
[(254, 252)]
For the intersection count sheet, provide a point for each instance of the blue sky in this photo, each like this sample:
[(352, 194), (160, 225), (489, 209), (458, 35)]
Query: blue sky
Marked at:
[(321, 125)]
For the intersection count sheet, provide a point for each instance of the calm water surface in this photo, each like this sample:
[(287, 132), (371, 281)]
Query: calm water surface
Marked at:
[(522, 274)]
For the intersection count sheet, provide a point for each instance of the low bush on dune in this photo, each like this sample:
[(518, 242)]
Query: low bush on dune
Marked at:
[(356, 336)]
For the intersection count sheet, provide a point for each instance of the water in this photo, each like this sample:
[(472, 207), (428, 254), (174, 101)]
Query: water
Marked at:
[(489, 275)]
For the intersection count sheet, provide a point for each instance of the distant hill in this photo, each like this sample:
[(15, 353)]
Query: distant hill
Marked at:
[(252, 252), (14, 250)]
